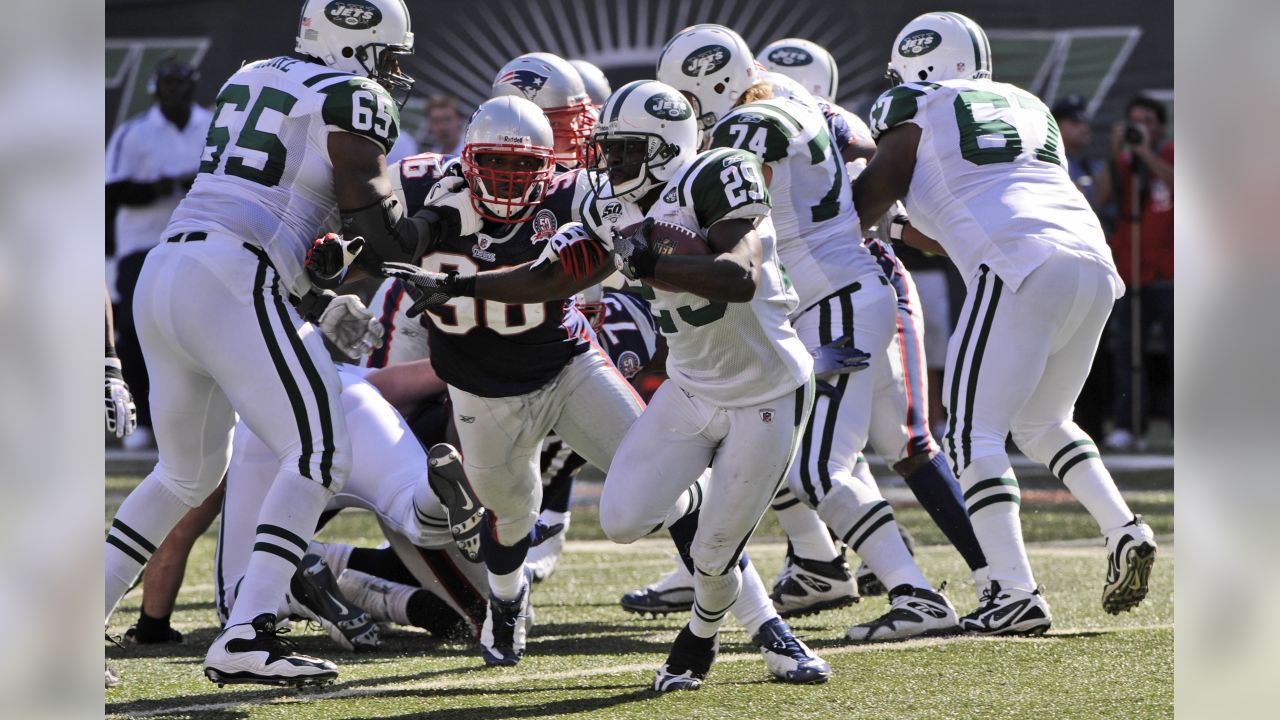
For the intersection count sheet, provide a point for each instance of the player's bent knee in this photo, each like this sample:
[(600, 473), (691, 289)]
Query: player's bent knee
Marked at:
[(619, 525), (1040, 442), (713, 558), (516, 527)]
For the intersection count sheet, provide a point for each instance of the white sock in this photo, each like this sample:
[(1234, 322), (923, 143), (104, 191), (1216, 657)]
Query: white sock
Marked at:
[(551, 518), (1072, 457), (809, 536), (753, 607), (991, 494), (384, 600), (713, 596), (506, 587), (143, 521), (857, 511), (285, 526), (336, 555)]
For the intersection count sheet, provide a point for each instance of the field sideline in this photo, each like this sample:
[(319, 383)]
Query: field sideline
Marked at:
[(587, 658)]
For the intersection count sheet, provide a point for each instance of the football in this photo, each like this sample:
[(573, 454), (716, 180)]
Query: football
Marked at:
[(671, 239)]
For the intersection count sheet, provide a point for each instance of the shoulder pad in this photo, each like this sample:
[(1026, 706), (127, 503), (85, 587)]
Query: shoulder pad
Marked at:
[(361, 106), (763, 129), (898, 105), (724, 184)]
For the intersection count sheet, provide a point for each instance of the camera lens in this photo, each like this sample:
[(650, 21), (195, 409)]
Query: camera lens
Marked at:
[(1132, 135)]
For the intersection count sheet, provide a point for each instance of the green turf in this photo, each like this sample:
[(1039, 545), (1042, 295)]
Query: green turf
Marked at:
[(586, 658)]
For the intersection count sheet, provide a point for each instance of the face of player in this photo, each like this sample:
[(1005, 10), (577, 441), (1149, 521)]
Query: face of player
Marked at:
[(622, 159), (511, 173)]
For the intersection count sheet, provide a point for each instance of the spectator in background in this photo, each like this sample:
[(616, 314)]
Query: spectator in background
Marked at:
[(152, 160), (444, 123), (1140, 152), (1073, 121), (1071, 113)]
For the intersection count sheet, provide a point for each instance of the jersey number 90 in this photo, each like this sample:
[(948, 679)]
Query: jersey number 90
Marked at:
[(461, 315)]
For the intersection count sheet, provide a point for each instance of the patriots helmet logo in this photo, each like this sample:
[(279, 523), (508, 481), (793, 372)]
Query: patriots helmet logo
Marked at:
[(528, 81)]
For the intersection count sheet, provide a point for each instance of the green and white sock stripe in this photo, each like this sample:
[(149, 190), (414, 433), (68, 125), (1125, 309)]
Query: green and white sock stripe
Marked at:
[(269, 541), (1071, 455), (130, 542), (878, 516), (992, 491)]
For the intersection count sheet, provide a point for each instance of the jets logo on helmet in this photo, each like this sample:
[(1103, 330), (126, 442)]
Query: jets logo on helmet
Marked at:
[(667, 107), (790, 56), (354, 14), (706, 60), (919, 43), (528, 81)]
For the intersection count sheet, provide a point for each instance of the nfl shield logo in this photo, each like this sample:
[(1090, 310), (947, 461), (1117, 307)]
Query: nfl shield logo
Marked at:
[(766, 414)]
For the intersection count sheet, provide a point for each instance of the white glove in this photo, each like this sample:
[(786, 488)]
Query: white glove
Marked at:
[(452, 195), (122, 414), (349, 325)]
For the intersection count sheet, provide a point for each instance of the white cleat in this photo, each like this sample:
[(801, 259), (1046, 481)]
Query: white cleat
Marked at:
[(1131, 551), (805, 587), (913, 612), (253, 652), (1009, 612)]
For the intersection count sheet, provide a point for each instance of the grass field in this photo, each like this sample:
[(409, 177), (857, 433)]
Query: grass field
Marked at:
[(587, 658)]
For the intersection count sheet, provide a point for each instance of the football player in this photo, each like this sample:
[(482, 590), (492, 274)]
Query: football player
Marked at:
[(556, 87), (595, 81), (569, 261), (1040, 285), (730, 352), (296, 144), (899, 429), (844, 298), (336, 584)]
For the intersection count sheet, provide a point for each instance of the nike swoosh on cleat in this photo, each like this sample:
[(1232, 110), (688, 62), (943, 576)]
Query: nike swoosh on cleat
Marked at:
[(341, 608)]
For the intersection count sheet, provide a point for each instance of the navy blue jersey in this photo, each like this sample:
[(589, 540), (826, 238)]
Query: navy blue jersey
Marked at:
[(493, 349), (841, 133), (419, 173), (629, 333)]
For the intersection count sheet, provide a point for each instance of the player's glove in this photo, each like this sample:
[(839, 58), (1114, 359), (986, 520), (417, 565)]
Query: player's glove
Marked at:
[(450, 198), (122, 414), (889, 229), (429, 289), (632, 253), (579, 253), (350, 326), (839, 357), (330, 256)]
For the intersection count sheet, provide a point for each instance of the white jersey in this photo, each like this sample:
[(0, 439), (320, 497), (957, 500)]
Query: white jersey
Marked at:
[(265, 175), (731, 354), (990, 181), (819, 237)]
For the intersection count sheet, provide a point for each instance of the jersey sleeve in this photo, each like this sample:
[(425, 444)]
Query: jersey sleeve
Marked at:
[(761, 132), (728, 186), (120, 155), (898, 105), (362, 107)]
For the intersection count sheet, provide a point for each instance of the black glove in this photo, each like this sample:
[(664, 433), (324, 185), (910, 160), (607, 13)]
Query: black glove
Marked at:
[(330, 256), (429, 289), (632, 254)]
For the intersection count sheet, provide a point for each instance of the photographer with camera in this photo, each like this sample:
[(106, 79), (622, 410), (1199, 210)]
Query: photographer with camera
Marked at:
[(1139, 180)]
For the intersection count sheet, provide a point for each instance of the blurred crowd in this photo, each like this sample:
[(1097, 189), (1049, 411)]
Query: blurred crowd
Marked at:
[(153, 157)]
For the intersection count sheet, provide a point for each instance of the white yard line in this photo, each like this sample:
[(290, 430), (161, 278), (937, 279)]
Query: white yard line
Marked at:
[(489, 680)]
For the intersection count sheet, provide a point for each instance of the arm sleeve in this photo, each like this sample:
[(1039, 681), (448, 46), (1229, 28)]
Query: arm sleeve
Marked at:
[(119, 154), (362, 107), (762, 133)]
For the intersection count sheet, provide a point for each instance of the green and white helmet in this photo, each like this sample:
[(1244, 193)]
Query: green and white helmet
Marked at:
[(358, 36), (940, 46), (804, 61), (645, 135), (712, 66)]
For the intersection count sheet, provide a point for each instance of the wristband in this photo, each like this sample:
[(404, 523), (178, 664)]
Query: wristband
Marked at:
[(462, 285), (896, 226), (644, 263)]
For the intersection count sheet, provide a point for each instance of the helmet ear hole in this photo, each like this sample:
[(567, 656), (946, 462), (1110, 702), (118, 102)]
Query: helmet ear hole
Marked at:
[(348, 52), (925, 75), (719, 88)]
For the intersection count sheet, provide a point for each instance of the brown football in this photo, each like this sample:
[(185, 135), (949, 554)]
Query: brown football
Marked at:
[(671, 239)]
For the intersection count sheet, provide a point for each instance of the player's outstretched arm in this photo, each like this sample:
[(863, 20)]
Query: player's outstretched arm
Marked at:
[(888, 175), (728, 275)]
